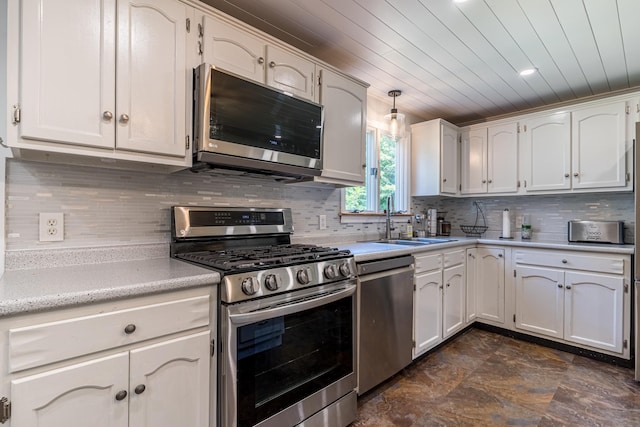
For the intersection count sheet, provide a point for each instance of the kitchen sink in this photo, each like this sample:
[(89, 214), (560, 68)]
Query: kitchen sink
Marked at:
[(416, 241)]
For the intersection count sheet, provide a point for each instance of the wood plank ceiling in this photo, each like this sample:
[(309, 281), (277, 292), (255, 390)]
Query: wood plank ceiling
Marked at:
[(461, 60)]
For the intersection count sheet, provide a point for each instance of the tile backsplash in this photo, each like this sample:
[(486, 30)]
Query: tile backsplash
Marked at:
[(105, 207), (549, 213)]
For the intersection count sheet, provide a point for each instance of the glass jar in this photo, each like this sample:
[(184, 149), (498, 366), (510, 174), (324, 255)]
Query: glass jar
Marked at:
[(526, 227)]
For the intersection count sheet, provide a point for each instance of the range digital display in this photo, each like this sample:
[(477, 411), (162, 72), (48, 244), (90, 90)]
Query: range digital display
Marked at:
[(233, 218)]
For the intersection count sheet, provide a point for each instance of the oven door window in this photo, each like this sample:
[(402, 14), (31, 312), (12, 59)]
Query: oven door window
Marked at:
[(285, 359)]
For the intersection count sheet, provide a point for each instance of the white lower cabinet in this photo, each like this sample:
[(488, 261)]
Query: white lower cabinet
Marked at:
[(582, 299), (166, 384), (439, 298), (157, 375), (489, 285)]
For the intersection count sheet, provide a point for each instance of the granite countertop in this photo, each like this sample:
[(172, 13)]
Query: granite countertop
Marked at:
[(40, 289), (368, 251)]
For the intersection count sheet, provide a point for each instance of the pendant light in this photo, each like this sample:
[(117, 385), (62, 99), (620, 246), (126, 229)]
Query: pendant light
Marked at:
[(396, 120)]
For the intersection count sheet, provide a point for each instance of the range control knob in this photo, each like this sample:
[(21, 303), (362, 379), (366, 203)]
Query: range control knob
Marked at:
[(344, 269), (303, 277), (271, 282), (249, 286), (330, 272)]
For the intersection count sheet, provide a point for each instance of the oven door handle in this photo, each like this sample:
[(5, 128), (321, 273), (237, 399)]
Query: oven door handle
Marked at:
[(292, 307)]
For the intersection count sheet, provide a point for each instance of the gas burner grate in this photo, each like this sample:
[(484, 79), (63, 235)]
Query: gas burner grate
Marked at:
[(262, 256)]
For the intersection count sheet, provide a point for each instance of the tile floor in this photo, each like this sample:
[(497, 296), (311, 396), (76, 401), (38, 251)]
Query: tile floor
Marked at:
[(485, 379)]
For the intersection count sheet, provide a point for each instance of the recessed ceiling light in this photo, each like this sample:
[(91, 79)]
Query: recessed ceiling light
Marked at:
[(528, 71), (459, 1)]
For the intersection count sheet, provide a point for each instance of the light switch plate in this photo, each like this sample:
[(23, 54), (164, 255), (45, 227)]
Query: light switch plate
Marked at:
[(322, 222)]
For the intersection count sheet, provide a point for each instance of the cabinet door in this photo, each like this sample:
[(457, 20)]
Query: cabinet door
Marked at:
[(233, 49), (502, 158), (473, 161), (472, 273), (539, 300), (594, 310), (345, 115), (85, 391), (427, 311), (599, 146), (453, 279), (546, 153), (291, 73), (67, 71), (449, 159), (490, 284), (169, 383), (151, 75)]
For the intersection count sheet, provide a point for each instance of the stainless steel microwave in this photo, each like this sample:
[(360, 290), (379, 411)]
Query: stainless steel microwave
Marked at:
[(239, 124)]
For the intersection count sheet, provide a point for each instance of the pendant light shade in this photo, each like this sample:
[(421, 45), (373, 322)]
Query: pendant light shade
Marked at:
[(395, 119)]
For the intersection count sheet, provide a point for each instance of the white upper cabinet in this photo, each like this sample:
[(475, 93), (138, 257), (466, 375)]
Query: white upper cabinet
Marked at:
[(599, 146), (233, 49), (344, 129), (546, 152), (489, 159), (473, 161), (237, 50), (109, 75), (151, 67), (434, 158), (585, 148), (502, 158)]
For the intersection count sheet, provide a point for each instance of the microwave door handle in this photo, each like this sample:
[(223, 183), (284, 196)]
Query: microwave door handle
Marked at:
[(293, 307)]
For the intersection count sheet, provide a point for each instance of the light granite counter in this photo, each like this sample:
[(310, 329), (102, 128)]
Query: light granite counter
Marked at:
[(368, 251), (39, 289)]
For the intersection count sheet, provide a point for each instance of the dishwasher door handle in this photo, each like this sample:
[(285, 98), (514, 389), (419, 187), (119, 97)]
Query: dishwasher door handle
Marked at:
[(386, 273)]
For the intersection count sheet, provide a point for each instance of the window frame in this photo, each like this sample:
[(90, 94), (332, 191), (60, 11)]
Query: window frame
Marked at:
[(402, 176)]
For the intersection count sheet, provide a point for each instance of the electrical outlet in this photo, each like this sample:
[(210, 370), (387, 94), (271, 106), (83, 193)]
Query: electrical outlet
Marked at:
[(322, 222), (51, 226)]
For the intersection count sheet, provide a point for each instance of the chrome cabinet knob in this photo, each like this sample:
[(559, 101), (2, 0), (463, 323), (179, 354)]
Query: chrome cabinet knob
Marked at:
[(576, 174), (490, 181), (568, 286), (564, 261), (484, 181), (121, 395), (560, 285), (261, 60), (129, 329), (124, 118), (107, 115), (272, 64), (444, 180), (139, 389), (566, 175)]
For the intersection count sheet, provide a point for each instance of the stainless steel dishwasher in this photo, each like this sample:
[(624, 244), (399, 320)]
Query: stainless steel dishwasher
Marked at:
[(385, 313)]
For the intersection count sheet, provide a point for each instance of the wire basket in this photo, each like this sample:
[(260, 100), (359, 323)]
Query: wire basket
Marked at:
[(473, 230), (476, 230)]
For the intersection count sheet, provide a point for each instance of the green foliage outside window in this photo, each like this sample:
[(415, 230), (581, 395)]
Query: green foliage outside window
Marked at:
[(356, 197)]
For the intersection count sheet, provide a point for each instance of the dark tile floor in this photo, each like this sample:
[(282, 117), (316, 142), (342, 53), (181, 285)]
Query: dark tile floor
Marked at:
[(485, 379)]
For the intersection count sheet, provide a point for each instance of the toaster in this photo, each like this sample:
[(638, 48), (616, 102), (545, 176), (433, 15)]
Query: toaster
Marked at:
[(597, 231)]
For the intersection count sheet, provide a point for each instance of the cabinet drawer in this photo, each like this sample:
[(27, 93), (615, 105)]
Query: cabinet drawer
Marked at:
[(600, 263), (454, 258), (428, 262), (45, 343)]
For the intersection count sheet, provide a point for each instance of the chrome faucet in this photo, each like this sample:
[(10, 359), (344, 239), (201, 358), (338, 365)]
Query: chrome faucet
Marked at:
[(387, 234)]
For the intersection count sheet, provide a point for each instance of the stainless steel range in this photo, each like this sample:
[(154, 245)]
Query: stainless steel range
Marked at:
[(287, 341)]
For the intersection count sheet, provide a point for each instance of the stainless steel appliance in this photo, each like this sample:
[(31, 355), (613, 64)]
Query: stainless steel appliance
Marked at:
[(636, 265), (386, 319), (287, 325), (244, 125), (596, 231)]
